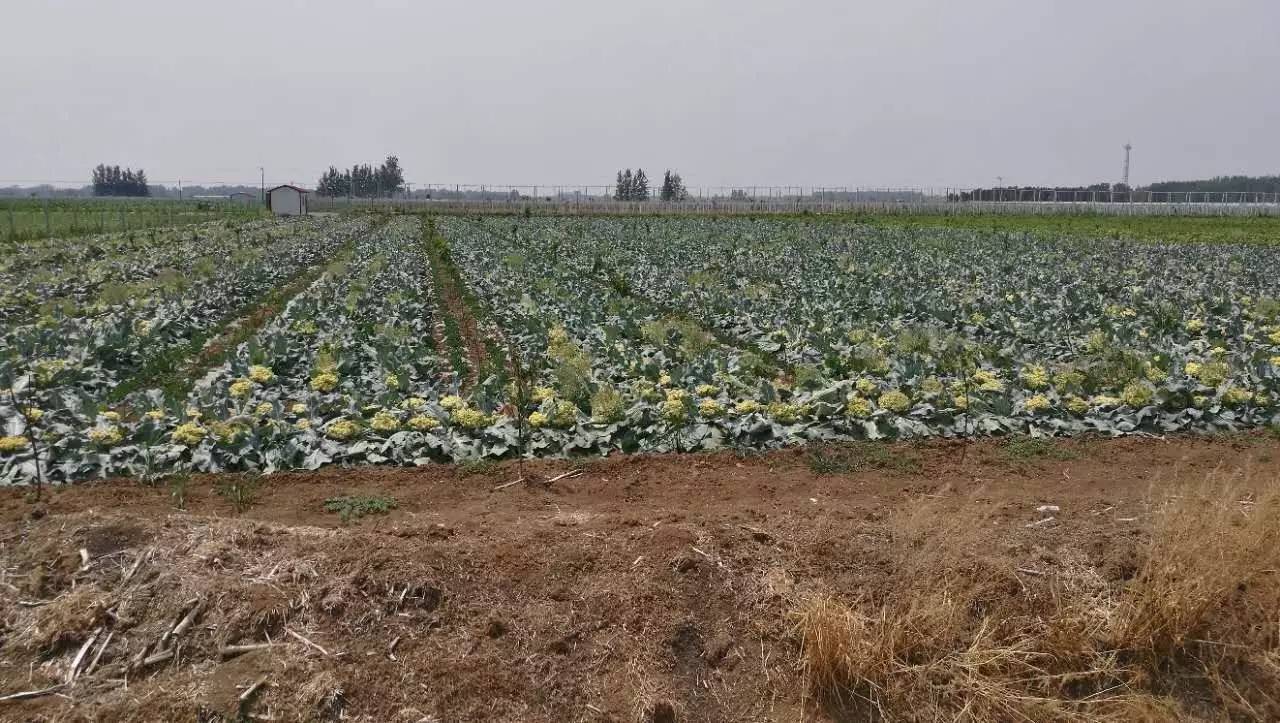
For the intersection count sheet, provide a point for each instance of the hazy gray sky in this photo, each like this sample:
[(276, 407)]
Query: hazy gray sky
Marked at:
[(893, 92)]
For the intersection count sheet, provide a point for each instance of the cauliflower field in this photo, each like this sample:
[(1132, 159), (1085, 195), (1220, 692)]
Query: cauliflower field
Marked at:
[(270, 345)]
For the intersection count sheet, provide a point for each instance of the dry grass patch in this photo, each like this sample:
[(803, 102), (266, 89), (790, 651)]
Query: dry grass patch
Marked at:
[(1194, 634)]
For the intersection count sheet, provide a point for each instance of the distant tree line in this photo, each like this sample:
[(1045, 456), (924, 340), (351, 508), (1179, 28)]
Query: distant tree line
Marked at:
[(363, 181), (635, 187), (1221, 184), (1216, 190), (1100, 192), (112, 181)]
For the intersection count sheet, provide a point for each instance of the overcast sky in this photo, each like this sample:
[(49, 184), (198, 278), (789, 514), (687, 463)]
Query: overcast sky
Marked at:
[(827, 92)]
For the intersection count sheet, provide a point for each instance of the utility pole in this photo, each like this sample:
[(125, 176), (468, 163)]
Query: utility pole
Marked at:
[(263, 184), (1127, 148)]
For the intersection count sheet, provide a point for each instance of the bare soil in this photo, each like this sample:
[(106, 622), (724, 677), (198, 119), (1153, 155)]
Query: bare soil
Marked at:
[(647, 588)]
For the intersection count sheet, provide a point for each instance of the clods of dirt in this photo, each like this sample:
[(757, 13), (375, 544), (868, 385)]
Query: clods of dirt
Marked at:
[(656, 588)]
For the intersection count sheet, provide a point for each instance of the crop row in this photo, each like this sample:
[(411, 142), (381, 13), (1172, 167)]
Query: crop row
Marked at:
[(411, 341), (79, 275), (65, 369), (967, 332)]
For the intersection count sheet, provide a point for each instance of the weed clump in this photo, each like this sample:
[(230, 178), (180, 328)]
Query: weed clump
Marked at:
[(353, 507), (860, 457)]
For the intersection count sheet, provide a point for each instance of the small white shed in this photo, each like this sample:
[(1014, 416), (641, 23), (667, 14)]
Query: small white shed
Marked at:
[(287, 200)]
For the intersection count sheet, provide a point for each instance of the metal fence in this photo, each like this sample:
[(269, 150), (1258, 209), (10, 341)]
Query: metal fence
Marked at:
[(30, 218), (903, 201), (828, 194)]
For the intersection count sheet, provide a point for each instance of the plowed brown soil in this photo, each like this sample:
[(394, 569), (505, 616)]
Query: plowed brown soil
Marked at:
[(648, 588)]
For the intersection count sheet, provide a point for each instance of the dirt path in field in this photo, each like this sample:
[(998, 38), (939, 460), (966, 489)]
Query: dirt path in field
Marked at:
[(644, 589), (453, 304)]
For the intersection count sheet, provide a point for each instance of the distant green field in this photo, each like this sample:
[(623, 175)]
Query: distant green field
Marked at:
[(1211, 229), (23, 219), (1257, 227)]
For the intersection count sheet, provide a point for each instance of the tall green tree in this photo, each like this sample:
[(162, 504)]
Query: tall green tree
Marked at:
[(333, 183), (640, 186), (678, 191), (390, 178), (363, 180), (673, 187)]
